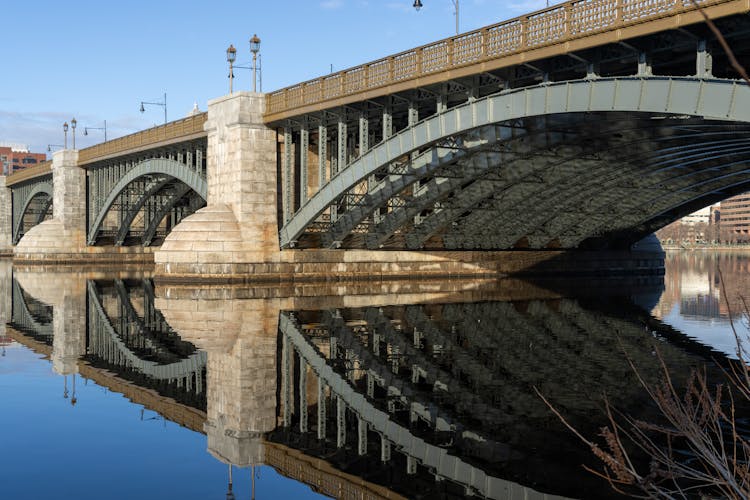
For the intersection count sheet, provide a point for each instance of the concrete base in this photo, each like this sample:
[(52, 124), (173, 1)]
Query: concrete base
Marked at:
[(348, 265), (50, 243)]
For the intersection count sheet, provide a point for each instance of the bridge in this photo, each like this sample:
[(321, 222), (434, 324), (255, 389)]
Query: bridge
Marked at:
[(535, 143)]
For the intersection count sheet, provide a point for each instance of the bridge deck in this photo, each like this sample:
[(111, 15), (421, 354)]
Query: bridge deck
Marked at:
[(564, 28)]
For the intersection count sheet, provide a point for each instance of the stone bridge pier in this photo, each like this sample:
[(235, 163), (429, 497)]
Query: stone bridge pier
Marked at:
[(6, 294), (6, 243), (240, 336), (66, 293), (237, 230), (63, 236)]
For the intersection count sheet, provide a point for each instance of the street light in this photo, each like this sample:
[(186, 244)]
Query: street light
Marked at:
[(73, 124), (104, 128), (231, 57), (50, 146), (254, 48), (65, 131), (157, 104), (418, 5)]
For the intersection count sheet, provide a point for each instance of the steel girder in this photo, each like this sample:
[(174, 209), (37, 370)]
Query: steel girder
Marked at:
[(445, 465), (166, 207), (155, 186), (23, 317), (23, 197), (106, 337), (591, 184), (155, 169), (651, 97)]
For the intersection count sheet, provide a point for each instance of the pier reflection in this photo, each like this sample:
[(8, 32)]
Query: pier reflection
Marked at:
[(419, 389)]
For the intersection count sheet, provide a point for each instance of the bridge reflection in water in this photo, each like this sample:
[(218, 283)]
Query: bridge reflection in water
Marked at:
[(414, 390)]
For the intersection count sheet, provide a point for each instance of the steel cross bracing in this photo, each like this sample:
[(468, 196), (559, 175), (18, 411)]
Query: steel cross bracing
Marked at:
[(463, 178), (417, 451), (113, 346), (38, 322), (139, 198), (32, 204), (458, 374)]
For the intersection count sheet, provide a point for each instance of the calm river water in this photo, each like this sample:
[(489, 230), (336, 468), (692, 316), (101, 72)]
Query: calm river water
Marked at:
[(113, 386)]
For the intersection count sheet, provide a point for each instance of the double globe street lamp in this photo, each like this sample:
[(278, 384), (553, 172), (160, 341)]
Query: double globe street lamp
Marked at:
[(73, 124), (232, 57)]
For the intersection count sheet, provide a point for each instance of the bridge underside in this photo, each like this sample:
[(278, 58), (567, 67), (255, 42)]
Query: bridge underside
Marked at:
[(563, 181)]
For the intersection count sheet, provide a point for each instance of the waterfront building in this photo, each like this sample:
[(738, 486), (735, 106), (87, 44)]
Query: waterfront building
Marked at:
[(735, 218), (15, 157)]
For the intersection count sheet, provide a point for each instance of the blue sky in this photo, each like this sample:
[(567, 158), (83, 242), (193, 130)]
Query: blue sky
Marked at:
[(96, 60)]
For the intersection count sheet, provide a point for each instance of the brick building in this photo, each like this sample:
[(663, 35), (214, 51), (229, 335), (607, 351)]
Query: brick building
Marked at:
[(735, 218), (16, 157)]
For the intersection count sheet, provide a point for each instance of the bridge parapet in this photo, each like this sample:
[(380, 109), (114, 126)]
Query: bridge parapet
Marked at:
[(176, 131), (545, 33), (39, 170)]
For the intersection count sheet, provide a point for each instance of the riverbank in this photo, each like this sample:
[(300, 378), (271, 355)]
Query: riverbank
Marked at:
[(708, 248)]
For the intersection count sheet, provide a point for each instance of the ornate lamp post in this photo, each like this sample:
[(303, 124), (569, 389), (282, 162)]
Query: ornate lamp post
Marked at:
[(418, 5), (65, 131), (231, 57), (254, 48), (73, 124), (104, 128), (164, 104)]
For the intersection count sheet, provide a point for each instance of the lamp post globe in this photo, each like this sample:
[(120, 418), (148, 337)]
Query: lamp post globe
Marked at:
[(254, 48), (231, 57), (73, 124)]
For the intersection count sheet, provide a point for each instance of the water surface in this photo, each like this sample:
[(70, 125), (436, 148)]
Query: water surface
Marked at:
[(113, 386)]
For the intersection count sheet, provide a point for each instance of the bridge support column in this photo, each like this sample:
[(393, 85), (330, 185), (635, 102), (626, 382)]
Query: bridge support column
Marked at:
[(6, 297), (63, 237), (237, 230), (66, 293), (6, 219), (240, 336)]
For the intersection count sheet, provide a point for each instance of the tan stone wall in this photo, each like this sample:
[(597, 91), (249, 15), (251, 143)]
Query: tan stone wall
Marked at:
[(347, 265), (69, 190), (240, 338), (241, 165), (6, 219)]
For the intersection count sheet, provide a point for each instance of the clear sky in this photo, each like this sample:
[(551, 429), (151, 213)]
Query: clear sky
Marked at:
[(96, 60)]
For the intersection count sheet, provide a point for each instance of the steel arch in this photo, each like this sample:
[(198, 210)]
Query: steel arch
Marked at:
[(726, 100), (39, 188), (163, 166), (180, 369)]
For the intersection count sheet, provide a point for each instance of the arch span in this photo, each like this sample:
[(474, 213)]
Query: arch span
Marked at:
[(38, 190), (589, 163), (148, 168)]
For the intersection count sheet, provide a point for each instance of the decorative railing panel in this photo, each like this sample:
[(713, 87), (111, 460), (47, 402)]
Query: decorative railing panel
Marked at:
[(553, 25), (39, 170), (171, 131)]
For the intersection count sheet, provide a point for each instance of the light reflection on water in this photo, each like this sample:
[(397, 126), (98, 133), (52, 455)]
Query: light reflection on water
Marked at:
[(696, 302), (368, 390)]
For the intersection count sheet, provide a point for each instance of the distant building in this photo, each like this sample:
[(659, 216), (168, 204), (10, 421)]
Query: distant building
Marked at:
[(17, 156), (695, 228), (735, 218)]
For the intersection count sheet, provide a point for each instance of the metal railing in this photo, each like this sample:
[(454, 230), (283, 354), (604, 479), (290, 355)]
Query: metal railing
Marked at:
[(177, 129), (27, 173), (549, 26)]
